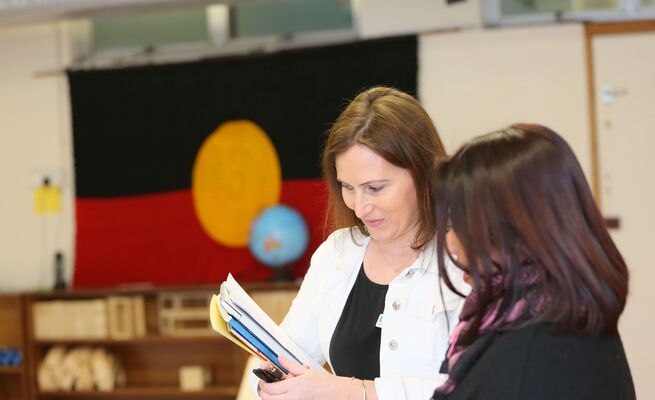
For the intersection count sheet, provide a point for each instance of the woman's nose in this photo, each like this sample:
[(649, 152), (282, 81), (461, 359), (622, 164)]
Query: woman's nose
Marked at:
[(362, 207)]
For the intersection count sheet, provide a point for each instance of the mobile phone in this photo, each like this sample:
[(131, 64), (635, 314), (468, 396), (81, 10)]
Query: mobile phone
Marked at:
[(272, 375)]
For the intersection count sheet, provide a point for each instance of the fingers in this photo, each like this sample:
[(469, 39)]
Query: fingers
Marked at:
[(266, 396), (273, 388), (294, 369)]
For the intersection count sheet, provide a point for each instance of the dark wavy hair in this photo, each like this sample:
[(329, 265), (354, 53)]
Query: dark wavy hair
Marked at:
[(395, 126), (518, 197)]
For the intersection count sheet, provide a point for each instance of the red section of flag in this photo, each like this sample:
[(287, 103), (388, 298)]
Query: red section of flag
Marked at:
[(157, 239)]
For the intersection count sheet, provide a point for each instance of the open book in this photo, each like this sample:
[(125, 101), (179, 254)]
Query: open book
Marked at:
[(236, 316)]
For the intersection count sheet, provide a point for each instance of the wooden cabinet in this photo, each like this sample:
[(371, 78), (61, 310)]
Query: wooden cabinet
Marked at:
[(13, 379), (152, 361)]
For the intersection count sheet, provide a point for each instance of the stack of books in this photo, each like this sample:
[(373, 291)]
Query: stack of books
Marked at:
[(236, 316)]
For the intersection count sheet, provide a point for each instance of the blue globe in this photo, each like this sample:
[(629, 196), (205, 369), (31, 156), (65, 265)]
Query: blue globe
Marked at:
[(278, 236)]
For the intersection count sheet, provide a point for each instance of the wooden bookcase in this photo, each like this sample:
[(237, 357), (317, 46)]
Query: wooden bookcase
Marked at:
[(13, 380), (152, 362)]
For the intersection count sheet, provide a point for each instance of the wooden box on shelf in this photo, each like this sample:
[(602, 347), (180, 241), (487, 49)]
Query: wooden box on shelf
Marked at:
[(80, 319), (151, 359), (183, 313), (194, 377), (121, 317)]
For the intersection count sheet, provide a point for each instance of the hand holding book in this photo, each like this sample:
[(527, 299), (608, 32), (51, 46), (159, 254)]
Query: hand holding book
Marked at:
[(236, 316)]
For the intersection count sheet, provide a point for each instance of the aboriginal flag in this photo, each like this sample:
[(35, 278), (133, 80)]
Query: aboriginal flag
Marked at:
[(169, 159)]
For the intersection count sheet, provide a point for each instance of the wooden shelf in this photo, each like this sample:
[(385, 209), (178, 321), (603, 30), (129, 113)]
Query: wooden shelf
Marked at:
[(135, 341), (142, 289), (10, 370), (151, 363), (145, 392)]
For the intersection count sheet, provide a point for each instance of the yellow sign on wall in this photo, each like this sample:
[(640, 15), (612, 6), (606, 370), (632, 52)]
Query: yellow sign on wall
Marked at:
[(47, 200)]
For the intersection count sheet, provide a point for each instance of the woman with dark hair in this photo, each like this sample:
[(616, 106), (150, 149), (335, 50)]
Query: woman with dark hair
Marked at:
[(548, 283), (371, 304)]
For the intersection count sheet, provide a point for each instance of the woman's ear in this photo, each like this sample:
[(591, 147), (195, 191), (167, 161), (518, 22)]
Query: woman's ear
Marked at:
[(455, 248)]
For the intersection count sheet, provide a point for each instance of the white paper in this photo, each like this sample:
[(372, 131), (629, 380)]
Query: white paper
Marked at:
[(240, 298), (230, 310)]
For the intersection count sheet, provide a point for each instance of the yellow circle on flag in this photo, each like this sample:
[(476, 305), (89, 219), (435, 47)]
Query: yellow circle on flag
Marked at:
[(236, 175)]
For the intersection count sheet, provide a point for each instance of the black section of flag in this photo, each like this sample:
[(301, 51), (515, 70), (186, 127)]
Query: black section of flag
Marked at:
[(138, 130)]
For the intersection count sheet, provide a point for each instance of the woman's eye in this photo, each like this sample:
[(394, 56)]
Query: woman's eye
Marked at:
[(375, 189), (344, 186)]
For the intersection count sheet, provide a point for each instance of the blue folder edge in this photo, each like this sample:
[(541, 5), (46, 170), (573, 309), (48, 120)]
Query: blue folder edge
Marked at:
[(253, 340)]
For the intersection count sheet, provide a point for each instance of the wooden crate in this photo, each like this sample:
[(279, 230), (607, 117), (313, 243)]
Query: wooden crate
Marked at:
[(75, 319), (184, 313), (121, 317), (127, 317), (139, 316)]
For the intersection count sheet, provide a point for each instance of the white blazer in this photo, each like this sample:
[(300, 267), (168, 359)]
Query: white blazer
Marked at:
[(416, 323)]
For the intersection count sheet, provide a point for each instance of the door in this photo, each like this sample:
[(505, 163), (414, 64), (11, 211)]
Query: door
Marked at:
[(624, 67)]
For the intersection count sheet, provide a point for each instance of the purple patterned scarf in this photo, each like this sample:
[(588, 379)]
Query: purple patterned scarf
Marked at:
[(490, 324)]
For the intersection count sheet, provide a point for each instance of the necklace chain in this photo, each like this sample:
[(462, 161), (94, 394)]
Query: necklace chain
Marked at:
[(389, 263)]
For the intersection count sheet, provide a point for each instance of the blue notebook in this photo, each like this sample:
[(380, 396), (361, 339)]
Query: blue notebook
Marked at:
[(253, 340)]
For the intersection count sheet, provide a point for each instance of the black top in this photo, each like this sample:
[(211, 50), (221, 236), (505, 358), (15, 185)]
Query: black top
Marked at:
[(355, 345), (531, 363)]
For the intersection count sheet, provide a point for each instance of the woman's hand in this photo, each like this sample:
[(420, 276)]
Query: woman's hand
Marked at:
[(303, 383)]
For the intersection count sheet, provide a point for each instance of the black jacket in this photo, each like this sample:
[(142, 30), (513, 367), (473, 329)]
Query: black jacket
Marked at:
[(531, 363)]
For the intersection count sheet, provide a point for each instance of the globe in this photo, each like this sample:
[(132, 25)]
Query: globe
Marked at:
[(278, 236)]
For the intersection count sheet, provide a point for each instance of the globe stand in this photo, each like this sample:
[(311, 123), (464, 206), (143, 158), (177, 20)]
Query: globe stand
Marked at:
[(283, 274), (278, 237)]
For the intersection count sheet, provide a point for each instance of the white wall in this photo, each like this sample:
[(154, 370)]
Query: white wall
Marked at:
[(35, 139), (393, 17), (475, 81)]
